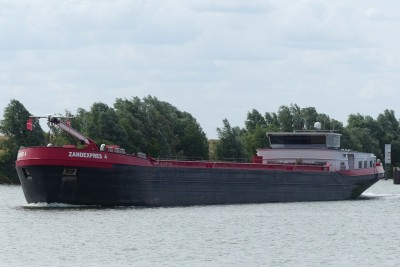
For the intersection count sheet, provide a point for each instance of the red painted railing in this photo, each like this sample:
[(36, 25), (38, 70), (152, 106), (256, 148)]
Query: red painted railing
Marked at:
[(233, 165)]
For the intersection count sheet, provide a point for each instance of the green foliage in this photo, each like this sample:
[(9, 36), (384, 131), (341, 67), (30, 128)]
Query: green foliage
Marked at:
[(367, 134), (285, 117), (297, 120), (230, 145), (255, 120), (256, 139), (256, 128), (361, 139), (387, 127), (131, 115), (212, 144), (160, 129), (101, 123), (13, 126), (310, 116), (271, 118), (191, 141)]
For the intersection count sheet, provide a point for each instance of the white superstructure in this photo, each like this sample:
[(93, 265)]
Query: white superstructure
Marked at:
[(314, 148)]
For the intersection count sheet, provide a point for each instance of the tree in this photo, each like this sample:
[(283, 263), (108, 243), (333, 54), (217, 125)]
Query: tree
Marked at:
[(230, 143), (257, 139), (101, 124), (388, 127), (362, 133), (254, 120), (160, 129), (297, 117), (193, 141), (285, 119), (255, 134), (310, 117), (326, 122), (389, 133), (362, 140), (131, 116), (13, 126), (271, 118)]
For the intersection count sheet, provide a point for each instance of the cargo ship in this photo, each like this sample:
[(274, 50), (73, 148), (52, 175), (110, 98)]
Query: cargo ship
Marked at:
[(298, 166)]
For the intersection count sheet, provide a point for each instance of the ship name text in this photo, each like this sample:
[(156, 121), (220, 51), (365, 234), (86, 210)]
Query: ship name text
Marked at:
[(85, 155)]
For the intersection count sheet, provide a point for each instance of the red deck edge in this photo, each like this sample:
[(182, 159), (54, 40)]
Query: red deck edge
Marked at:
[(232, 165), (59, 156)]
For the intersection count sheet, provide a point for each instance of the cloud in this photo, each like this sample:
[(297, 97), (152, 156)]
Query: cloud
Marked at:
[(226, 7), (214, 59)]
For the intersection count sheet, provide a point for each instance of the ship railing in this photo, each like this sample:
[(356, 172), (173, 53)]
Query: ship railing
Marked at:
[(202, 159), (117, 150), (235, 165)]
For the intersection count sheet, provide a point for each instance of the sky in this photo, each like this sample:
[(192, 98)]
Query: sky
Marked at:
[(213, 59)]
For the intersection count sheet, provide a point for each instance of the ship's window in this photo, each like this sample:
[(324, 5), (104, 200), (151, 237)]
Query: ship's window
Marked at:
[(69, 172), (365, 164), (298, 140), (370, 164), (360, 164)]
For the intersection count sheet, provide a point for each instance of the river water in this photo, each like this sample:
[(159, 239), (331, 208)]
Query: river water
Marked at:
[(363, 232)]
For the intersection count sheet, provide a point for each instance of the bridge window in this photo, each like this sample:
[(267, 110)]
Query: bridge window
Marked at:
[(298, 140)]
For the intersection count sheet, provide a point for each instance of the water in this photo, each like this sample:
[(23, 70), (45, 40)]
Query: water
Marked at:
[(364, 232)]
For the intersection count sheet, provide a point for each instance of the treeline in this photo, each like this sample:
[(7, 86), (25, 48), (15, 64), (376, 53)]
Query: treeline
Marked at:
[(161, 130)]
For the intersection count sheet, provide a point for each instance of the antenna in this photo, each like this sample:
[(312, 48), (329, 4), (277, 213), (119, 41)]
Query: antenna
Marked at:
[(317, 126)]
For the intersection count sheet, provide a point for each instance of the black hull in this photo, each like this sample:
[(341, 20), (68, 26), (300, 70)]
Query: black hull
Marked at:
[(129, 185)]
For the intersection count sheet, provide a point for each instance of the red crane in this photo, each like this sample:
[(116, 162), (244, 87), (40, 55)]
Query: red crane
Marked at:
[(66, 127)]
